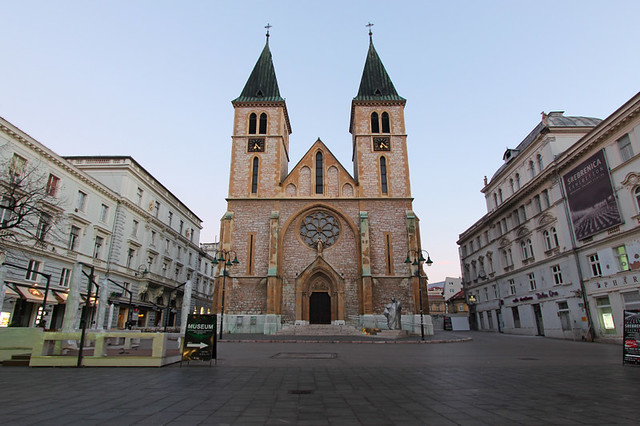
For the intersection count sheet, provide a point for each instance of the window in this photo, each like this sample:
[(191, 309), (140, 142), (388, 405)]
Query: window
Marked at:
[(537, 204), (150, 260), (516, 316), (43, 226), (605, 315), (550, 237), (263, 124), (557, 275), (134, 229), (596, 270), (181, 227), (532, 169), (104, 212), (637, 195), (166, 245), (130, 256), (6, 211), (17, 165), (190, 258), (65, 277), (623, 259), (631, 300), (486, 293), (563, 313), (540, 163), (81, 201), (153, 238), (97, 247), (530, 247), (164, 269), (532, 281), (626, 150), (375, 124), (74, 236), (516, 218), (385, 122), (250, 259), (499, 224), (389, 257), (545, 198), (170, 218), (32, 270), (52, 185), (523, 214), (319, 184), (513, 189), (495, 291), (156, 209), (495, 199), (253, 123), (254, 176), (500, 195), (471, 249), (512, 287), (517, 180), (139, 195), (383, 175)]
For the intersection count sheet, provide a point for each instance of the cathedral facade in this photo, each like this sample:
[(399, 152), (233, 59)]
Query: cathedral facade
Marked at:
[(317, 244)]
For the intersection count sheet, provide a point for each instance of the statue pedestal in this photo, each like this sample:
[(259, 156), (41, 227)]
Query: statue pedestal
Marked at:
[(428, 325), (392, 334)]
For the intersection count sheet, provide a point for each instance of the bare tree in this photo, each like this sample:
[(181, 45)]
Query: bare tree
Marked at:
[(29, 208)]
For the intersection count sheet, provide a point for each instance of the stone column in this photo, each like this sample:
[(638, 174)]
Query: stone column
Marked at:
[(186, 307), (110, 317), (274, 290), (366, 292), (71, 313), (103, 301)]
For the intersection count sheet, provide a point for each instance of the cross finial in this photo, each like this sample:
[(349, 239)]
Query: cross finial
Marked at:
[(268, 27), (369, 25)]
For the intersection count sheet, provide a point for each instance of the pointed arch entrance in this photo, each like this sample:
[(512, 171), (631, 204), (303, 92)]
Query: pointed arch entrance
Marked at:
[(320, 295)]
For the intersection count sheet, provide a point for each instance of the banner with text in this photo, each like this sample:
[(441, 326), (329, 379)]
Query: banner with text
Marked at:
[(591, 199), (631, 340)]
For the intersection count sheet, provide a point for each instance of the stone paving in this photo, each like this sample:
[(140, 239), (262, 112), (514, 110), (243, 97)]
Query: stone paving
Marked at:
[(493, 379)]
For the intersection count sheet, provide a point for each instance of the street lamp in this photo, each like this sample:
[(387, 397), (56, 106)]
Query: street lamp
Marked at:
[(418, 259), (224, 257)]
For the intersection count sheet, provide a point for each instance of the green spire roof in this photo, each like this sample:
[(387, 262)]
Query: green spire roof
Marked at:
[(376, 84), (262, 85)]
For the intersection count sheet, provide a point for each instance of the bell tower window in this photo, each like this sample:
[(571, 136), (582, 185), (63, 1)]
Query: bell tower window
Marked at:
[(375, 123), (254, 176), (263, 124), (252, 124), (385, 122), (383, 175), (319, 185)]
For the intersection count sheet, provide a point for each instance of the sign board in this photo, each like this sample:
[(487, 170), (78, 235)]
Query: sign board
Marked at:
[(631, 339), (591, 199), (200, 338)]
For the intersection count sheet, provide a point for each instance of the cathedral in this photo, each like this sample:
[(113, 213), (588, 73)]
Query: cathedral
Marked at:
[(317, 244)]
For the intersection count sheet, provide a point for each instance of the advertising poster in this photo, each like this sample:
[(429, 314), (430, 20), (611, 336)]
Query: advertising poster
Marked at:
[(200, 338), (591, 199), (631, 340)]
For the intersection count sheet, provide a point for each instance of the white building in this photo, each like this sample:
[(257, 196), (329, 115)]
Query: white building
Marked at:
[(554, 255), (118, 220)]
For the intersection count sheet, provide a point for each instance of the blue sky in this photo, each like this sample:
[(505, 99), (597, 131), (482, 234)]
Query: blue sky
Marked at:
[(155, 79)]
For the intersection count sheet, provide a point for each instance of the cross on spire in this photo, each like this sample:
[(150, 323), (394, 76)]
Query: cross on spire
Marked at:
[(369, 25), (268, 27)]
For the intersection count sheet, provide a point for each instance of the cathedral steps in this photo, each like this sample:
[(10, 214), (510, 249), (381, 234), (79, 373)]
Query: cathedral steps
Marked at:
[(319, 330)]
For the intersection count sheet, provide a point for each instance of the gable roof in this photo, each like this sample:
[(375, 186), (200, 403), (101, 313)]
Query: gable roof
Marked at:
[(328, 158), (262, 85)]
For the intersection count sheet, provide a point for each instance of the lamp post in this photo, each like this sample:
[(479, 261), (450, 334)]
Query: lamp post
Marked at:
[(417, 261), (224, 257)]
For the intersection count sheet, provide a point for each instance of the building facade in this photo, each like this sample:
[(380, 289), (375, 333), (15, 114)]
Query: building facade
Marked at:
[(113, 218), (315, 244), (555, 253)]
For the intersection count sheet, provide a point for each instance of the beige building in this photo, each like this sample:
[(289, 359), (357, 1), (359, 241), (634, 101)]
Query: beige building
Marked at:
[(556, 253)]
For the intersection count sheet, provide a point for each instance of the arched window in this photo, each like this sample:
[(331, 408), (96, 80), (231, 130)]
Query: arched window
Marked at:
[(263, 124), (254, 176), (550, 238), (511, 185), (532, 169), (385, 122), (375, 124), (525, 252), (383, 175), (319, 186), (637, 194), (500, 195), (495, 199), (252, 124), (540, 164), (518, 180)]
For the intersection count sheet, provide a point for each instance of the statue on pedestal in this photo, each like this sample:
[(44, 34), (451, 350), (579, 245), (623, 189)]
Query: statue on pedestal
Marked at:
[(393, 312)]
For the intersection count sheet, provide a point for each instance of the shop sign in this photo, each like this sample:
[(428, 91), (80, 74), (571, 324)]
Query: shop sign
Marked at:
[(631, 339), (200, 338), (618, 282)]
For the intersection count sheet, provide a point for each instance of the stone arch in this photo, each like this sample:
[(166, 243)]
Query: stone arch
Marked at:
[(319, 277), (347, 190), (291, 190)]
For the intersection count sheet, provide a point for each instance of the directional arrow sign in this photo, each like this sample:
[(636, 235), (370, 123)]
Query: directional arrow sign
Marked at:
[(197, 345)]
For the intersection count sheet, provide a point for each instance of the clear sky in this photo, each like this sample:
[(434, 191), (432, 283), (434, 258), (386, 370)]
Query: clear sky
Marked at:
[(154, 79)]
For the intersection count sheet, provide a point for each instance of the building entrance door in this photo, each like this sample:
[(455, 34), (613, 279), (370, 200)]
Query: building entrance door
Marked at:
[(320, 308), (538, 314)]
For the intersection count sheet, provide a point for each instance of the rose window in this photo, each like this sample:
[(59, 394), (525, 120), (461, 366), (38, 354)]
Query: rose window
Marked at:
[(320, 226)]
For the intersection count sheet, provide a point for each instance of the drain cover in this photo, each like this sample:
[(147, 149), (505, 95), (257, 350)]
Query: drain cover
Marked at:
[(300, 392), (529, 359), (305, 355)]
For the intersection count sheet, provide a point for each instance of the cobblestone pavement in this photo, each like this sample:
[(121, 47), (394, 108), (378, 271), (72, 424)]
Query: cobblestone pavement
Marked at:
[(494, 379)]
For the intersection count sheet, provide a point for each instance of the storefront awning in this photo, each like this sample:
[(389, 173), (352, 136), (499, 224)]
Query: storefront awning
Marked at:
[(33, 294)]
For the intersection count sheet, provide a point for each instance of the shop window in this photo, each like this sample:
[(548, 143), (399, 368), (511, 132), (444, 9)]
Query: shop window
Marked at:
[(605, 315), (516, 316), (563, 313)]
